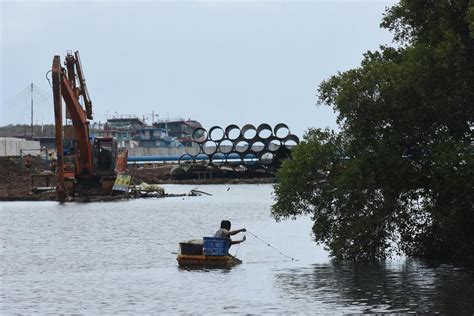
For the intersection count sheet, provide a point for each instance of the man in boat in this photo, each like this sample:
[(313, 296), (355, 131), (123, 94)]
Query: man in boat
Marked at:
[(225, 232)]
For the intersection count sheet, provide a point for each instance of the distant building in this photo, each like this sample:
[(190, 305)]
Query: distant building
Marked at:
[(11, 146), (46, 142), (124, 129), (125, 122), (180, 128), (156, 137), (132, 132), (97, 130)]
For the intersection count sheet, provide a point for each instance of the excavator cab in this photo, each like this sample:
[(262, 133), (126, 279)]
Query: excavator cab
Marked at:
[(104, 154)]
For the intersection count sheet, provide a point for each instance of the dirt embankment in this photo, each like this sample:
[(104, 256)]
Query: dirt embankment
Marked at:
[(161, 175), (18, 178)]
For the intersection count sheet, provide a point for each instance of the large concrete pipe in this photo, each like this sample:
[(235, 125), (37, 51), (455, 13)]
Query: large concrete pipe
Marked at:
[(199, 135), (248, 131), (266, 158), (233, 158), (291, 141), (216, 133), (185, 160), (193, 150), (257, 145), (281, 131), (241, 145), (274, 144), (202, 159), (226, 146), (209, 147), (218, 159), (232, 132), (264, 131), (250, 159)]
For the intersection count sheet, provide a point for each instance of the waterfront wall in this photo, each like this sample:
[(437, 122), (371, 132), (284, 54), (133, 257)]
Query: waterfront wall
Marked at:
[(10, 146), (155, 151)]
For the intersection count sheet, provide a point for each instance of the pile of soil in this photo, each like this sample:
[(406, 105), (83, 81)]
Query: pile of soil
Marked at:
[(161, 175), (158, 174), (15, 177)]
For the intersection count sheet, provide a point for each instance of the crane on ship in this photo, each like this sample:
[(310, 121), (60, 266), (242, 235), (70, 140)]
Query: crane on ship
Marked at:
[(92, 163)]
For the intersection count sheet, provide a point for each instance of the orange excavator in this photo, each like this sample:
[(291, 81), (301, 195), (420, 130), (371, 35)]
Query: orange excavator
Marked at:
[(94, 163)]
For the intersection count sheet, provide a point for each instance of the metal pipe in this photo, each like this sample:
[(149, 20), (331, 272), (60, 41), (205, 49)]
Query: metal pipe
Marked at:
[(233, 158), (241, 145), (193, 150), (216, 133), (202, 159), (232, 132), (291, 141), (266, 158), (274, 144), (257, 146), (184, 160), (250, 159), (226, 146), (248, 131), (218, 159), (281, 131), (209, 147), (157, 158), (264, 131), (199, 135)]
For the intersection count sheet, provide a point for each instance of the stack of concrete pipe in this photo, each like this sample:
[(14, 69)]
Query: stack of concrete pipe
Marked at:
[(233, 145)]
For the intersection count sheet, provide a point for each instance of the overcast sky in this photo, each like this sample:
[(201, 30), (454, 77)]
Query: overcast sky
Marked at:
[(218, 62)]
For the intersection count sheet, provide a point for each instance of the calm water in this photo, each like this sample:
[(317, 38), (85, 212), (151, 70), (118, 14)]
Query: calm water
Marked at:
[(108, 258)]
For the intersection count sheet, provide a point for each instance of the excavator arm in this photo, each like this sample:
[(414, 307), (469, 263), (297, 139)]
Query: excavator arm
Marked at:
[(58, 123), (65, 87), (97, 162), (83, 88)]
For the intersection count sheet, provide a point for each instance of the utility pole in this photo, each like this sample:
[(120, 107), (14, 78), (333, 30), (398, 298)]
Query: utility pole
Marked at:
[(32, 110)]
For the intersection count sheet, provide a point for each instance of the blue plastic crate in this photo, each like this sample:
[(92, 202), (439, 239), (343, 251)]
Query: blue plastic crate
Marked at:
[(216, 246)]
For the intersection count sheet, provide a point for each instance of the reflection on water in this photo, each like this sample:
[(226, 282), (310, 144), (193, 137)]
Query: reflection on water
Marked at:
[(405, 286), (120, 258)]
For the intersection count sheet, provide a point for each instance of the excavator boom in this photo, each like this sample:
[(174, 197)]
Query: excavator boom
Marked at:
[(95, 161), (77, 113), (83, 88), (58, 123)]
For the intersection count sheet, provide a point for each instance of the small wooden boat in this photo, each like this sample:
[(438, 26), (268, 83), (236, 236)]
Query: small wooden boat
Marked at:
[(205, 261), (210, 252)]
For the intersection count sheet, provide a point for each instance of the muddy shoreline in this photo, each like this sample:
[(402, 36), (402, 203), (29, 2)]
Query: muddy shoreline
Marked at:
[(30, 196), (17, 181)]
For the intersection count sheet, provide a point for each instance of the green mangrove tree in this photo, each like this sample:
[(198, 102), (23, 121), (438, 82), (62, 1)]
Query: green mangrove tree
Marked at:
[(399, 176)]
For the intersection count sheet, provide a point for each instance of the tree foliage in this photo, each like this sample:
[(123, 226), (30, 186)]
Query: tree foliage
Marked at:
[(399, 176)]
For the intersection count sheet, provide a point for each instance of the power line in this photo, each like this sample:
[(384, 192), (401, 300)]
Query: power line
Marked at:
[(19, 106)]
